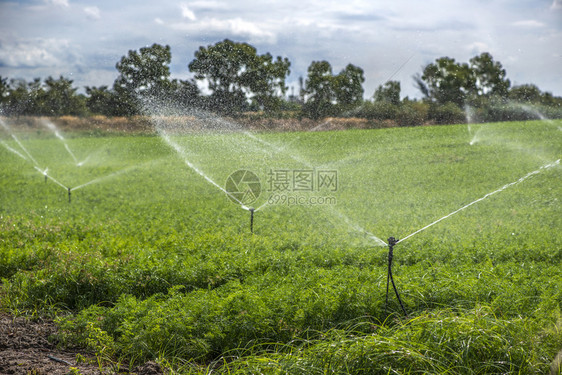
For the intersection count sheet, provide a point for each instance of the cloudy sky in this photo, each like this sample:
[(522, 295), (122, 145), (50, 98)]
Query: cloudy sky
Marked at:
[(83, 40)]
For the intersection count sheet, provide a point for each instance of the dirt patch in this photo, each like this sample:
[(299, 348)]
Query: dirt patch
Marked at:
[(28, 347)]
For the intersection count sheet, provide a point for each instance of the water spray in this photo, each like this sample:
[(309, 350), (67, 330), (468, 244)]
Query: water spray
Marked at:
[(546, 166), (391, 242)]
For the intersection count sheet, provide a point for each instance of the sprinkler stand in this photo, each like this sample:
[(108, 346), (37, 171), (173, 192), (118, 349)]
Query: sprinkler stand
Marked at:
[(69, 195), (391, 242), (251, 220), (45, 177)]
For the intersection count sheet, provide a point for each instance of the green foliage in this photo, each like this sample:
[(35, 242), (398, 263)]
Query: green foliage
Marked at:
[(53, 97), (490, 76), (348, 87), (101, 101), (4, 90), (473, 342), (412, 113), (142, 74), (328, 95), (448, 113), (531, 94), (156, 263), (389, 93), (447, 81), (240, 80), (234, 72)]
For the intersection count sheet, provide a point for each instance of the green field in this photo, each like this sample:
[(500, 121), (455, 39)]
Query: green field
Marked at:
[(152, 261)]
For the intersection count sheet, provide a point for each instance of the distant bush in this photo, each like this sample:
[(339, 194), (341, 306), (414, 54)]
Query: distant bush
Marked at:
[(448, 113), (377, 111), (495, 111), (412, 113)]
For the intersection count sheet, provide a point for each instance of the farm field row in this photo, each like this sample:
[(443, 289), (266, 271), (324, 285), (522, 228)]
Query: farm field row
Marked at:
[(142, 250)]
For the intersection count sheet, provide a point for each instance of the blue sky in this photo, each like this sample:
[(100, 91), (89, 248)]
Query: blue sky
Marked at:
[(83, 40)]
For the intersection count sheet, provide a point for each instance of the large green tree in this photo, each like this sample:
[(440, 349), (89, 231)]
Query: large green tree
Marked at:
[(102, 101), (60, 98), (4, 90), (490, 76), (24, 97), (266, 81), (237, 75), (447, 81), (142, 74), (319, 91), (348, 87), (327, 94), (527, 93), (388, 93)]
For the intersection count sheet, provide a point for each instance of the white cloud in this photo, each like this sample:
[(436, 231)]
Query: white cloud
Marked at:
[(34, 53), (477, 48), (377, 36), (187, 13), (531, 24), (236, 27), (92, 12), (208, 5), (60, 3)]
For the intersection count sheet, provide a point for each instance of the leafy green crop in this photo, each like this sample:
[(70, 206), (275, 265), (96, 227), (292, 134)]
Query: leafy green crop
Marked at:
[(151, 261)]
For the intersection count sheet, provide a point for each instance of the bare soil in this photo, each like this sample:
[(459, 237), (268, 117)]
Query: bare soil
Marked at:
[(29, 347)]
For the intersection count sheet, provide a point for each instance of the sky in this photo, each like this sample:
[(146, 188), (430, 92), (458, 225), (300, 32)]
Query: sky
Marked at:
[(83, 40)]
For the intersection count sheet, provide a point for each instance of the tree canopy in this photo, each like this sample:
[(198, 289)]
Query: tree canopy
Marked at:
[(239, 79), (388, 93), (237, 76), (447, 81), (327, 94)]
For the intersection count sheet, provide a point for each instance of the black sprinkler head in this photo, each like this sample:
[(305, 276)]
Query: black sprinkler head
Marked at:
[(392, 241)]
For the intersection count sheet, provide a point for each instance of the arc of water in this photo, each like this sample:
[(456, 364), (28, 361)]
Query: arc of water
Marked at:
[(358, 228), (24, 149), (346, 219), (58, 134), (546, 166), (277, 148), (180, 151), (44, 173), (14, 151), (7, 128), (111, 175)]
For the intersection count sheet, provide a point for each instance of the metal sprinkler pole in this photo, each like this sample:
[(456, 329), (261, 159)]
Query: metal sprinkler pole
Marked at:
[(391, 242), (69, 195), (252, 220)]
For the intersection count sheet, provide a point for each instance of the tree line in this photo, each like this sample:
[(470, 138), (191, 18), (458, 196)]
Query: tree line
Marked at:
[(239, 80)]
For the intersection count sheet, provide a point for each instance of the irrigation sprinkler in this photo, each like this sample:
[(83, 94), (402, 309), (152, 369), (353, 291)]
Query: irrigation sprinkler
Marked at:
[(69, 195), (391, 242), (251, 209)]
